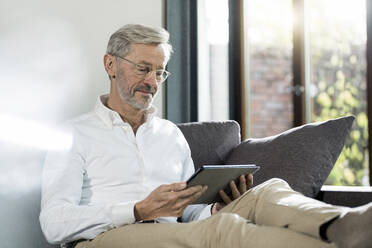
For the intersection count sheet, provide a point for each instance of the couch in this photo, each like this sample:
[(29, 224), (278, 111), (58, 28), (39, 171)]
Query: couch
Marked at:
[(220, 143), (303, 156)]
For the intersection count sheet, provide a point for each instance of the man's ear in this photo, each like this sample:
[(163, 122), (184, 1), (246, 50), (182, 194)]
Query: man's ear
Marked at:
[(110, 65)]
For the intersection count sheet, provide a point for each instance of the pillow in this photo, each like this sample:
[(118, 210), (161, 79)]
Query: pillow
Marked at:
[(303, 156), (210, 142)]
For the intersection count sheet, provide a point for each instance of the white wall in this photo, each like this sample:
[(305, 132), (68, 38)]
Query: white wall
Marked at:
[(51, 64), (51, 69)]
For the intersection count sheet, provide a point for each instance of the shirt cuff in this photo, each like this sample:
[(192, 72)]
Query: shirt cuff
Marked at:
[(205, 213), (123, 213)]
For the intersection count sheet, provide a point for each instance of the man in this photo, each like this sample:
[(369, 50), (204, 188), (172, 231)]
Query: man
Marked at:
[(122, 183)]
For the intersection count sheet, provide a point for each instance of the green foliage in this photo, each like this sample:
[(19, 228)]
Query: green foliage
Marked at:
[(341, 91), (338, 67)]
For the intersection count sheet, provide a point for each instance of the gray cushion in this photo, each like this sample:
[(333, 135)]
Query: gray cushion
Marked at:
[(303, 156), (210, 142)]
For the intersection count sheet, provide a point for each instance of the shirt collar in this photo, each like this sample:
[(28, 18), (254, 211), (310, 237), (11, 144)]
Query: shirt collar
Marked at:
[(112, 118)]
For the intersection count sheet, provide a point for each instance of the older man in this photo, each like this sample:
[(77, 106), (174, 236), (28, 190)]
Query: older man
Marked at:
[(122, 183)]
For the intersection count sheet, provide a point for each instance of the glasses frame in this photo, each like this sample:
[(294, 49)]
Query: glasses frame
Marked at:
[(141, 66)]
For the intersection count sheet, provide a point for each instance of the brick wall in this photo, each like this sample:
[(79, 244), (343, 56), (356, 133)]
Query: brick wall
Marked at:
[(270, 99)]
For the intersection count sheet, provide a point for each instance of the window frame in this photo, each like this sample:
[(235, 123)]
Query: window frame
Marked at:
[(181, 103), (369, 83)]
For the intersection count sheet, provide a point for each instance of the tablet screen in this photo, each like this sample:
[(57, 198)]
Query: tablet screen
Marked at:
[(218, 177)]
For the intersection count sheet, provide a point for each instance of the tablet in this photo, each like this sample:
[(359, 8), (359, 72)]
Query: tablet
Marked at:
[(218, 177)]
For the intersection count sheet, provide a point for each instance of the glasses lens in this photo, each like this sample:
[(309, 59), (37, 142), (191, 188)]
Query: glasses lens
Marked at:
[(166, 74), (142, 70), (161, 75)]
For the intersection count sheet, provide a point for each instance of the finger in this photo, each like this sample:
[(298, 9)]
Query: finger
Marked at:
[(250, 180), (234, 190), (198, 188), (226, 199), (183, 202), (195, 189), (179, 207), (190, 191), (219, 206), (173, 187), (242, 184)]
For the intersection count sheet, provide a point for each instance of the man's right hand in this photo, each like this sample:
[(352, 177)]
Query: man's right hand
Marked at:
[(167, 200)]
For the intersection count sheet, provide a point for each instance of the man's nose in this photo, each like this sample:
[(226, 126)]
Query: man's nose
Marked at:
[(151, 79)]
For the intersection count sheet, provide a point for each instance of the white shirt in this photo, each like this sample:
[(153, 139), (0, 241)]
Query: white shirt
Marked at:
[(92, 187)]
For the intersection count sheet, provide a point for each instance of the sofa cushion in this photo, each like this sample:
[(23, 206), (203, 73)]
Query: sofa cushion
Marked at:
[(303, 156), (210, 142)]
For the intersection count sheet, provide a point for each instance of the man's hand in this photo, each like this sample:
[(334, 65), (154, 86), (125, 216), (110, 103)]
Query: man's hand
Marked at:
[(167, 200), (245, 183)]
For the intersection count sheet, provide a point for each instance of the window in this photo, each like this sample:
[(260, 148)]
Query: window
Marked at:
[(328, 47), (296, 61), (337, 83), (332, 36), (268, 26), (213, 38)]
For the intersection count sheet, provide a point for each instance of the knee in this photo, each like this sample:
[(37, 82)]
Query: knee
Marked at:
[(226, 221), (224, 218), (276, 182), (226, 230)]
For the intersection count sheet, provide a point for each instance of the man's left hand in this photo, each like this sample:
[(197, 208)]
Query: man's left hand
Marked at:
[(245, 183)]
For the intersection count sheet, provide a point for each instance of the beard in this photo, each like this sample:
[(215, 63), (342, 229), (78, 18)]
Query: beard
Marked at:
[(141, 102)]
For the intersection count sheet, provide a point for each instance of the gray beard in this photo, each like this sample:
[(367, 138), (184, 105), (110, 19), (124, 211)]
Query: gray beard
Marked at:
[(131, 100)]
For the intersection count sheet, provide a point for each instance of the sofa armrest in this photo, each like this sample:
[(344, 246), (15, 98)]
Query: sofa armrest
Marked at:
[(350, 196)]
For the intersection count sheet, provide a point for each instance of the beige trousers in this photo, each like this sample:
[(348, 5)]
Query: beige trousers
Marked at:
[(268, 215)]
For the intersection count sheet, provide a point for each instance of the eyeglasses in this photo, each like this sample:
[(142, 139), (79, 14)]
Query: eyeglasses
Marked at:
[(143, 71)]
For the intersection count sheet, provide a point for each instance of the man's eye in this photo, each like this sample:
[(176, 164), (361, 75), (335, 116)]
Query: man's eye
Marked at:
[(143, 69), (159, 73)]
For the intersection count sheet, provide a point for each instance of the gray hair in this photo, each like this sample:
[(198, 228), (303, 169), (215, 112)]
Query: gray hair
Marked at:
[(120, 41)]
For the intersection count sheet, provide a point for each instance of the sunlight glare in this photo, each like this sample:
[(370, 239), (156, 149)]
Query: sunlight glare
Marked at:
[(217, 13)]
